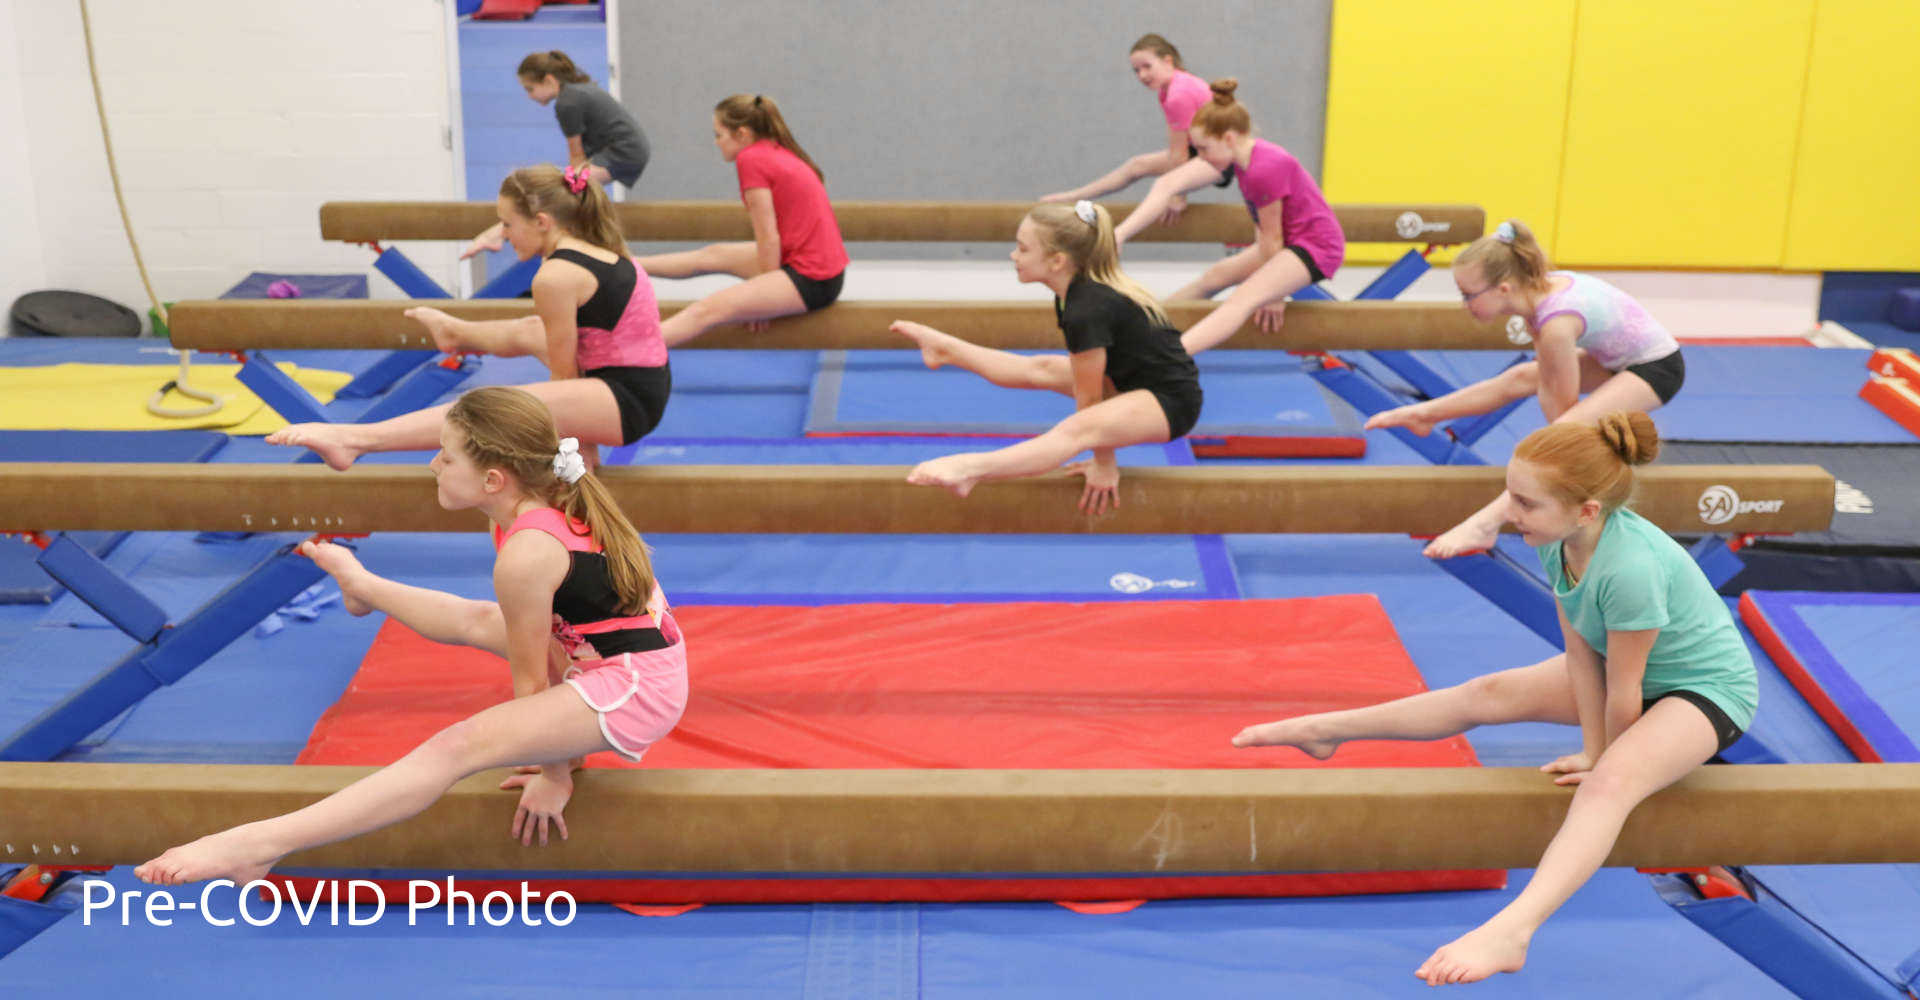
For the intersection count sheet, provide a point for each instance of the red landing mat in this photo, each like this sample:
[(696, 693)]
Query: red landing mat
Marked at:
[(1151, 685)]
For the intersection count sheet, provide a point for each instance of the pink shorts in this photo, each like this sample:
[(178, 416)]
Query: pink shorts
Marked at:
[(639, 696)]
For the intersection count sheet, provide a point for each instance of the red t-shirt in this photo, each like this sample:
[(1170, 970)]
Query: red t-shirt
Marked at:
[(809, 234)]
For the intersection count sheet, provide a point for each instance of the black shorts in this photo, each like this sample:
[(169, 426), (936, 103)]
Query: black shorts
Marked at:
[(817, 293), (1313, 270), (1666, 375), (1180, 401), (1226, 176), (622, 171), (641, 395), (1723, 727)]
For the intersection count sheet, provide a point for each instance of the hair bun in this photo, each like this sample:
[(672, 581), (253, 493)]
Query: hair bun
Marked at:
[(1632, 436), (1223, 89)]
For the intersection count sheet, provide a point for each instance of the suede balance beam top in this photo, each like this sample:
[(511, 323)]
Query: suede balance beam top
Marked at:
[(986, 821), (816, 499), (261, 324), (887, 221)]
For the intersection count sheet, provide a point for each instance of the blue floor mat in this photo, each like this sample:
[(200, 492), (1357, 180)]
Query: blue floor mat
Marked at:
[(1248, 393), (1354, 947)]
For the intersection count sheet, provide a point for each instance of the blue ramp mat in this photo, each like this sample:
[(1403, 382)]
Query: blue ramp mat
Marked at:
[(21, 579), (1354, 947), (1854, 653), (1248, 394)]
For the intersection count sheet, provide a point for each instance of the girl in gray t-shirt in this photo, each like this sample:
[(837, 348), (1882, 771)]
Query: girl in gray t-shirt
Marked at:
[(601, 134)]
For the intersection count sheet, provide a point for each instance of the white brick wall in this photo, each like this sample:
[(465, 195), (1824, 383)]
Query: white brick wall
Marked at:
[(232, 121), (21, 269)]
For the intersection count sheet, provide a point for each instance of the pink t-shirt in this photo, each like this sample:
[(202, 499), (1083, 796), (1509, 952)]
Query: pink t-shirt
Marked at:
[(1272, 174), (1617, 331), (1181, 97), (810, 240)]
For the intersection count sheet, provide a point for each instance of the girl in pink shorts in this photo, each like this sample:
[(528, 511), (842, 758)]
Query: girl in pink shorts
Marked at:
[(597, 661)]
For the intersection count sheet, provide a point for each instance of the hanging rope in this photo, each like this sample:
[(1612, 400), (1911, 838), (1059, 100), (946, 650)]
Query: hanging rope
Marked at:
[(178, 384)]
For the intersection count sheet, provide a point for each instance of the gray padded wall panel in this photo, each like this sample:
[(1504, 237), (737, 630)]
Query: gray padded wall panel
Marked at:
[(997, 99)]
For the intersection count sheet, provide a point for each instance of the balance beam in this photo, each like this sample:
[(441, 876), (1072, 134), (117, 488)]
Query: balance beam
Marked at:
[(887, 221), (260, 324), (816, 499), (981, 821)]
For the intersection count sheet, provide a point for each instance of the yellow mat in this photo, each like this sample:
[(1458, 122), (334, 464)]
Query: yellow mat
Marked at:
[(88, 397)]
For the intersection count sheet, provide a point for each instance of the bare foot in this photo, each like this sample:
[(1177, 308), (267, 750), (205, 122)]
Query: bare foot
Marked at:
[(1057, 197), (936, 348), (1412, 417), (330, 441), (955, 472), (338, 561), (228, 854), (440, 326), (1474, 956), (1302, 734), (1469, 535)]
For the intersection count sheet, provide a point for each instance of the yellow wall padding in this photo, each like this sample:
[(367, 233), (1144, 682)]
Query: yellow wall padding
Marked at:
[(1856, 188), (1680, 132), (1448, 103), (85, 397)]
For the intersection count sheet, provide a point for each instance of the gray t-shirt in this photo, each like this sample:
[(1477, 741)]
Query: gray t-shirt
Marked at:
[(604, 127)]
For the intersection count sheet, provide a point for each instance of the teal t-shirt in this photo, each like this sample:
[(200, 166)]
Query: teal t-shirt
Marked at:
[(1639, 578)]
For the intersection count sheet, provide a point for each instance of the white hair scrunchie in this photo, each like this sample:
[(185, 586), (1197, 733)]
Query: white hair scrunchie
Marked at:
[(1504, 232), (568, 466), (1084, 209)]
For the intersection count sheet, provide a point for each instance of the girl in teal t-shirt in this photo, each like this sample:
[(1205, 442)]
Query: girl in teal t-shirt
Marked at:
[(1655, 674)]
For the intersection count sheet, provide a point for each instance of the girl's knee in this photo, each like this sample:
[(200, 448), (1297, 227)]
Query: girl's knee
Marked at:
[(456, 747), (1523, 377)]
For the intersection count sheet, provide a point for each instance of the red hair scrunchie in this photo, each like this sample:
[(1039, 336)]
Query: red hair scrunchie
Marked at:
[(576, 178)]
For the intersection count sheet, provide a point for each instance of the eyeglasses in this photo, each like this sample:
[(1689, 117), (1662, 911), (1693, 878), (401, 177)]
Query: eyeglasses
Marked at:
[(1470, 296)]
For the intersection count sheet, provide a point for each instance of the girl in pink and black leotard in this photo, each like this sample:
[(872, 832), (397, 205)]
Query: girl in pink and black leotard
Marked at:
[(596, 325), (596, 660)]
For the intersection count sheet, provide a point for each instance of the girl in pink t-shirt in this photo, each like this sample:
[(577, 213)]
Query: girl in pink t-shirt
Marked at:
[(595, 325), (1156, 64), (1597, 351), (796, 262), (1297, 238)]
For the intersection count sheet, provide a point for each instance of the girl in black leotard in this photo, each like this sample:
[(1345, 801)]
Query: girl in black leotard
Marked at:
[(1128, 374)]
